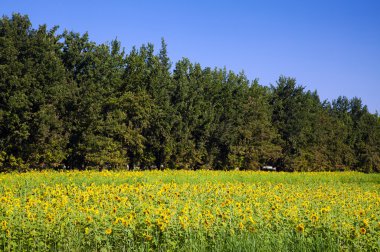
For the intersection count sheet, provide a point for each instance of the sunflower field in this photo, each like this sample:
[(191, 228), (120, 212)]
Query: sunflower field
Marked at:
[(189, 211)]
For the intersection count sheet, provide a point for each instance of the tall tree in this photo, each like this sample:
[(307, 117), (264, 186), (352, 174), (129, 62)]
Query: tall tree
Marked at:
[(67, 100), (33, 89)]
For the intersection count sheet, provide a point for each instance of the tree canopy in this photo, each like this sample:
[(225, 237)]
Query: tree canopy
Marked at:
[(66, 101)]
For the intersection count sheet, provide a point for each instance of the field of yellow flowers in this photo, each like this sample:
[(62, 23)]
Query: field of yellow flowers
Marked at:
[(189, 211)]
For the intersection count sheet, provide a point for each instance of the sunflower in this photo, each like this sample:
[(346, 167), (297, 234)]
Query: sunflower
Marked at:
[(361, 212), (4, 225), (108, 231), (363, 231), (241, 226), (89, 219), (300, 228), (325, 210), (314, 217)]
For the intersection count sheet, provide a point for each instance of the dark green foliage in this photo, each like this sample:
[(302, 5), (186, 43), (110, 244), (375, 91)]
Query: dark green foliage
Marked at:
[(66, 101), (33, 90)]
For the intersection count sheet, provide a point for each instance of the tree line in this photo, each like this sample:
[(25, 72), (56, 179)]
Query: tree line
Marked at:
[(67, 102)]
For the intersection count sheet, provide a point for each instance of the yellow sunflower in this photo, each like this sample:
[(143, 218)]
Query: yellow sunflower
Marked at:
[(300, 228)]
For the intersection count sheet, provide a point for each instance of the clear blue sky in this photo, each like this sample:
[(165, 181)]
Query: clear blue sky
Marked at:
[(331, 46)]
